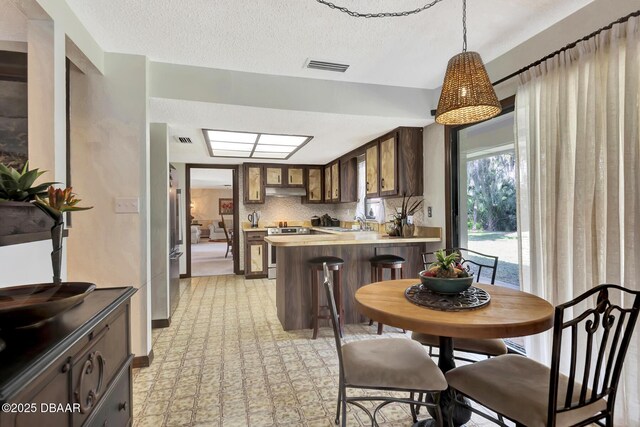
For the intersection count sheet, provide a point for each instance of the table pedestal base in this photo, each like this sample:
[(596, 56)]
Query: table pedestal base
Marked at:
[(459, 414)]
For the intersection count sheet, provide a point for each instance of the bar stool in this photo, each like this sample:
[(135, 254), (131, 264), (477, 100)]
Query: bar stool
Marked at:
[(379, 264), (335, 265)]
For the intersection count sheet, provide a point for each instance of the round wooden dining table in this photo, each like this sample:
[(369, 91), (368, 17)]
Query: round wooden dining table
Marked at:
[(510, 313)]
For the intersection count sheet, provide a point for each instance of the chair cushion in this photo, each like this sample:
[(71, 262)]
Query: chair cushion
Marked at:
[(330, 260), (518, 388), (490, 347), (392, 259), (391, 363)]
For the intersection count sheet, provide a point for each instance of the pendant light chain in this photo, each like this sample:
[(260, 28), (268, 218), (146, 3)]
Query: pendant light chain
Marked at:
[(464, 25), (378, 14)]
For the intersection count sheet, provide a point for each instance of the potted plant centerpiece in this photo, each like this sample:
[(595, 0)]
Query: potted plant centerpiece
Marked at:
[(446, 275)]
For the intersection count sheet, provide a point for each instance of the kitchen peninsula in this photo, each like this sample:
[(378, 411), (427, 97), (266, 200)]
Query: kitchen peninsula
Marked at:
[(293, 279)]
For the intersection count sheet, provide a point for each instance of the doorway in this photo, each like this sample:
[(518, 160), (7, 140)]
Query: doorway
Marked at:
[(212, 220)]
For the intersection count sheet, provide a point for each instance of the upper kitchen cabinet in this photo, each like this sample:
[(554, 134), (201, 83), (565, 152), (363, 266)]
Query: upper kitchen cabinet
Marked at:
[(275, 176), (314, 185), (295, 176), (327, 183), (388, 165), (394, 164), (253, 184), (335, 181), (409, 161), (349, 180), (372, 161)]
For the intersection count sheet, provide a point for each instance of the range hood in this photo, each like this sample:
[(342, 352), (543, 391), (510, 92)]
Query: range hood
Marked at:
[(285, 192)]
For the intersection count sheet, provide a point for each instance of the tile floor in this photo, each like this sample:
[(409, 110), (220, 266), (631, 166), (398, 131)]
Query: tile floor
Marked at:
[(225, 361)]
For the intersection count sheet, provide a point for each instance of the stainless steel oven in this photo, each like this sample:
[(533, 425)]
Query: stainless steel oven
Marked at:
[(271, 250)]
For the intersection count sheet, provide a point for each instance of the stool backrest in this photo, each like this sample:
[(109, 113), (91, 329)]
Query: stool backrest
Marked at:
[(475, 260), (599, 337), (331, 302)]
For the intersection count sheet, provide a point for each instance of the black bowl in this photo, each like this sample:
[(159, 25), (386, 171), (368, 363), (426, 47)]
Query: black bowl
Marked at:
[(32, 304)]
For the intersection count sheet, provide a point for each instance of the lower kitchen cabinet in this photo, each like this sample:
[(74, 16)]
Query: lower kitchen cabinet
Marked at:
[(73, 370), (255, 255)]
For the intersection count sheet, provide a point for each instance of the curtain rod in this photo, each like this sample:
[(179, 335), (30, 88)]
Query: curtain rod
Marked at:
[(567, 47)]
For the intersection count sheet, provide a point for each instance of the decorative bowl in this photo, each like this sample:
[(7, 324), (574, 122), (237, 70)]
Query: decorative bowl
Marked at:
[(32, 304), (441, 285)]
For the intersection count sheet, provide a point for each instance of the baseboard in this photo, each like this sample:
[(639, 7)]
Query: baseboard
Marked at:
[(160, 323), (184, 276), (143, 361)]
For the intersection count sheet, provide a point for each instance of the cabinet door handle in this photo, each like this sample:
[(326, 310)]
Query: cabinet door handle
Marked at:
[(290, 179), (382, 182), (259, 250), (257, 197), (278, 179), (367, 185)]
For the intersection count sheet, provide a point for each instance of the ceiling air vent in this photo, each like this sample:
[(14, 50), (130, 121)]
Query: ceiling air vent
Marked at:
[(327, 66), (184, 140)]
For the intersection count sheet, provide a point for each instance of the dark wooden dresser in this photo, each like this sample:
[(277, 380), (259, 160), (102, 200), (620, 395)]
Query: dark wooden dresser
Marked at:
[(73, 370)]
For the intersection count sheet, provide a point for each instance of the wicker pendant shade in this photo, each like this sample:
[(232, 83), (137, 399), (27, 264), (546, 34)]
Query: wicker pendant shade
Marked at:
[(467, 93)]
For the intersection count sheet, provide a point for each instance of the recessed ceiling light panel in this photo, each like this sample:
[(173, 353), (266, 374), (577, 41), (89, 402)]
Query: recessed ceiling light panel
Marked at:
[(224, 143)]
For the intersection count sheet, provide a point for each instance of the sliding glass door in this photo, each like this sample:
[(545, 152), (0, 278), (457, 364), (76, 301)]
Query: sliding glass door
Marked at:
[(486, 195)]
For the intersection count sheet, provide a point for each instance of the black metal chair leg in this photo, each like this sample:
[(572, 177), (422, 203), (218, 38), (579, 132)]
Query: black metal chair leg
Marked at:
[(414, 413), (339, 403), (420, 399)]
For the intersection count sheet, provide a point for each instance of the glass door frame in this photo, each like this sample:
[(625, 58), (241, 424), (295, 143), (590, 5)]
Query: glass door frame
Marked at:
[(452, 181)]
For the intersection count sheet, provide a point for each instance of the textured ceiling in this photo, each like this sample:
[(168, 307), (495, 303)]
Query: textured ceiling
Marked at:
[(277, 36), (13, 24), (334, 134)]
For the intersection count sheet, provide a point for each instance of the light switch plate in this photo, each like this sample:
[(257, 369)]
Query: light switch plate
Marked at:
[(429, 212), (127, 205)]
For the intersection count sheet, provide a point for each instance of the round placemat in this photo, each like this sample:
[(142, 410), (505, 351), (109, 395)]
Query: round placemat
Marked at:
[(471, 299)]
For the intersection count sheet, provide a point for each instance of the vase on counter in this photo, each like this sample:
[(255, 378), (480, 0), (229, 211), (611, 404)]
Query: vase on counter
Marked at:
[(407, 229)]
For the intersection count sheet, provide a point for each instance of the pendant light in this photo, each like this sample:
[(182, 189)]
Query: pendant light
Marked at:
[(467, 93)]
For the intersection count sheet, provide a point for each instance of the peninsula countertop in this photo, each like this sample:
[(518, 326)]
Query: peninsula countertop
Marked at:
[(345, 238)]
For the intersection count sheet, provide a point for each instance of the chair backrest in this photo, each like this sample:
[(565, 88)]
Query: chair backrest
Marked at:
[(331, 302), (222, 225), (467, 258), (600, 336)]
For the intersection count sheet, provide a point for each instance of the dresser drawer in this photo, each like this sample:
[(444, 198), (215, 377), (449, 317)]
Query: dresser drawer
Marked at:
[(96, 365), (50, 387), (114, 409)]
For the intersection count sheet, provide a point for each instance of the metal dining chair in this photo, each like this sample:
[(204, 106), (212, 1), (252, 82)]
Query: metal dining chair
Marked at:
[(487, 347), (389, 364), (532, 394)]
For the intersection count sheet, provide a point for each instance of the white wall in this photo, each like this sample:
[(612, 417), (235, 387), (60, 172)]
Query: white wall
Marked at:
[(110, 159), (159, 220), (31, 262)]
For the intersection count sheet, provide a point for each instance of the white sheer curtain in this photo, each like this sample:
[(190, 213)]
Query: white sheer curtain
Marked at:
[(578, 154)]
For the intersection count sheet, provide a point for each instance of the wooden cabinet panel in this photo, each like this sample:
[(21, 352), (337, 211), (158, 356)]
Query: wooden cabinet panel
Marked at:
[(314, 185), (253, 184), (410, 175), (372, 165), (335, 181), (257, 264), (349, 180), (295, 177), (388, 169), (255, 255), (274, 176), (327, 184)]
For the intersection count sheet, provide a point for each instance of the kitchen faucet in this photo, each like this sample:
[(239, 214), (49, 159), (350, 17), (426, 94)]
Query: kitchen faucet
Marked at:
[(363, 222)]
